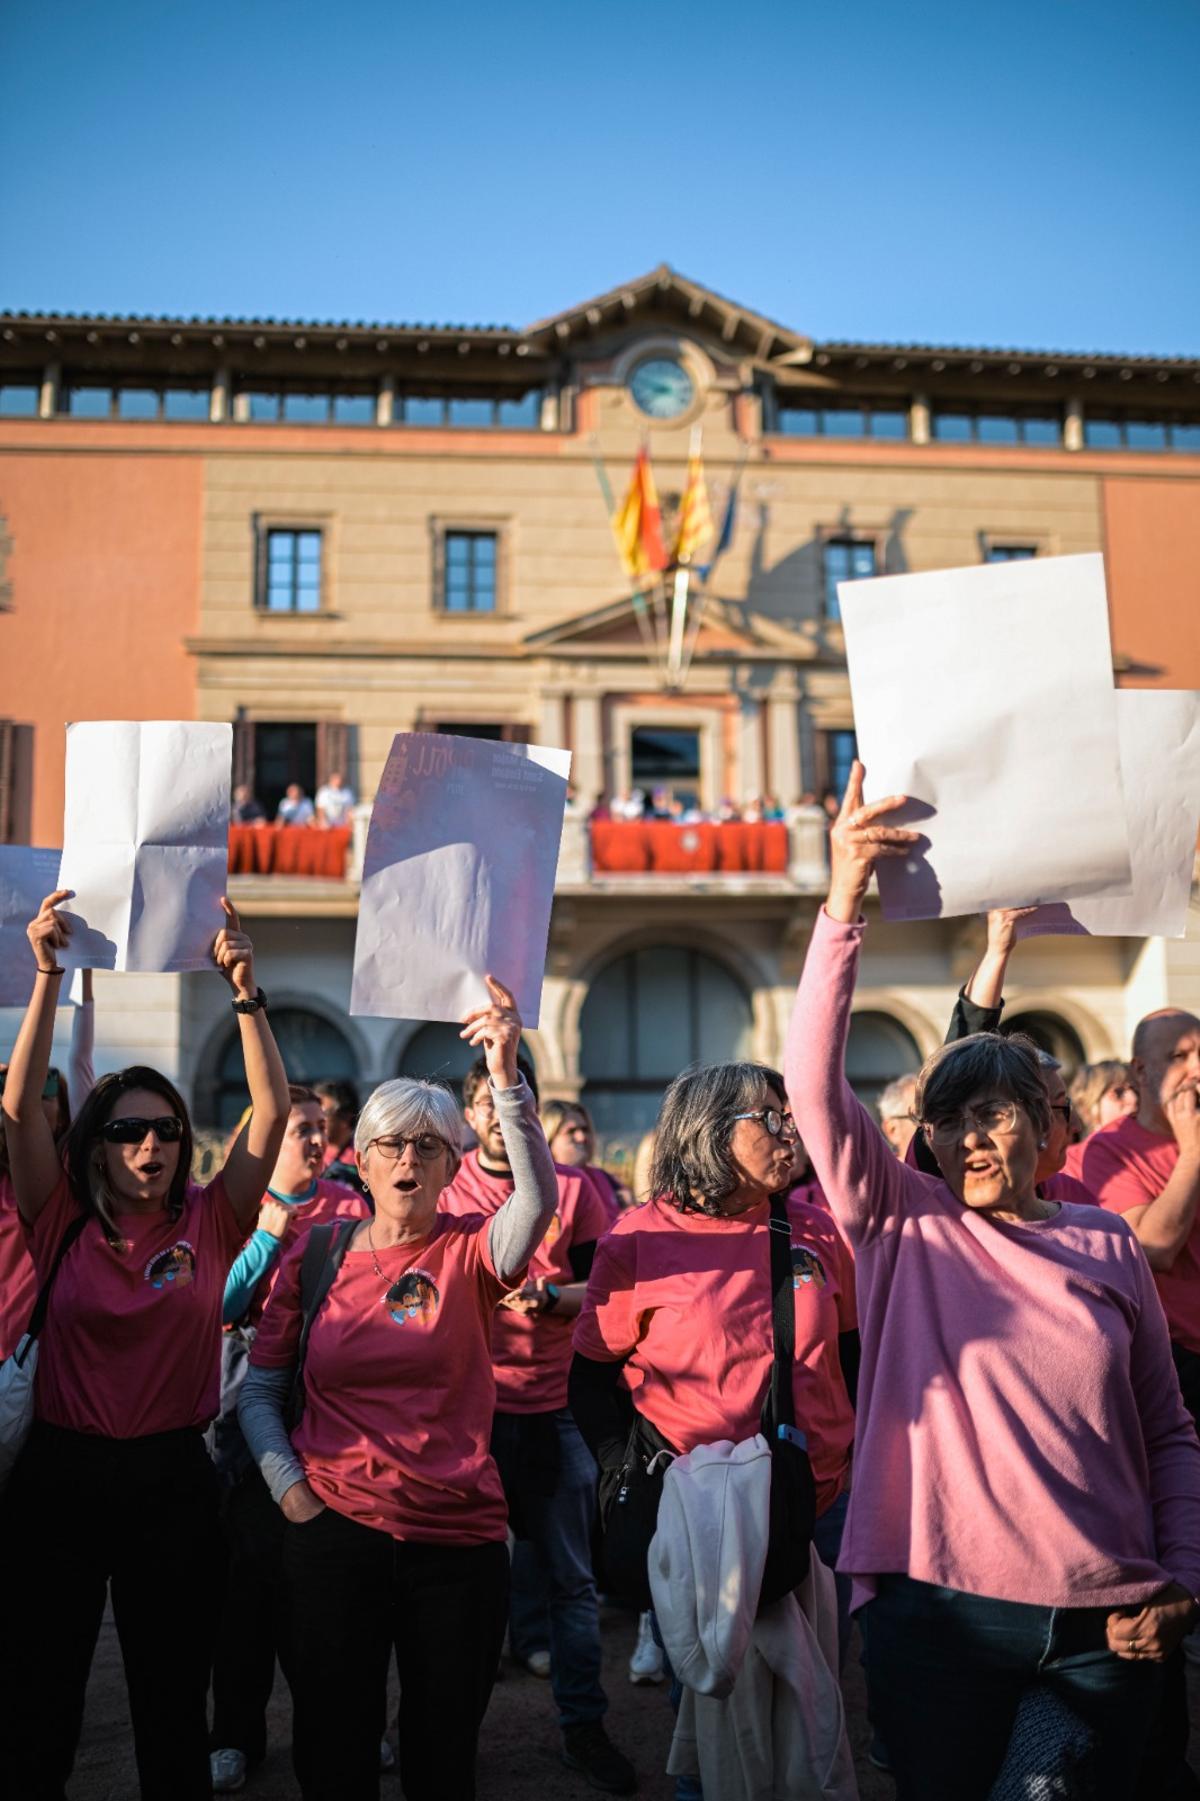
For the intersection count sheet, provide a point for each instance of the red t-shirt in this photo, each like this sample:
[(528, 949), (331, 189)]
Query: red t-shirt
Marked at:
[(131, 1343), (333, 1200), (1126, 1165), (531, 1352), (399, 1396), (18, 1279), (688, 1300)]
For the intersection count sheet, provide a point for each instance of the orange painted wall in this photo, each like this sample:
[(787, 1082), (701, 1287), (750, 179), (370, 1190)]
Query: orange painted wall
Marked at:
[(105, 577), (1152, 551)]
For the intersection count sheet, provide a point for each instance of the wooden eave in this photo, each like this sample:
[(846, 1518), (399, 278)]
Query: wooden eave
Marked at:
[(664, 290)]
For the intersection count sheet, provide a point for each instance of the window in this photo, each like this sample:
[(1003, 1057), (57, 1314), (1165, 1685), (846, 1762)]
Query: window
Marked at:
[(1050, 1033), (469, 583), (289, 571), (647, 1016), (1125, 432), (661, 757), (16, 781), (354, 409), (878, 1049), (313, 1049), (284, 753), (18, 400), (520, 412), (1008, 553), (186, 403), (306, 409), (86, 403), (493, 731), (844, 560), (848, 419), (437, 1053), (962, 425), (841, 748)]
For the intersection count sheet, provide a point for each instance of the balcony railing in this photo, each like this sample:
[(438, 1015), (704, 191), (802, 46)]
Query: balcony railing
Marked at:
[(262, 850)]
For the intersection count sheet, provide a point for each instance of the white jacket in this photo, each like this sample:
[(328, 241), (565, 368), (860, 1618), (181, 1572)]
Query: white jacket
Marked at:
[(762, 1716)]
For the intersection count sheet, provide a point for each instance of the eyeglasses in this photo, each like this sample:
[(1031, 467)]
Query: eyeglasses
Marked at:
[(987, 1117), (426, 1144), (132, 1130), (1063, 1107), (776, 1123)]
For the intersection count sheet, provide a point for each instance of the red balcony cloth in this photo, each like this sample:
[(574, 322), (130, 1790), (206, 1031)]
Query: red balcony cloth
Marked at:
[(660, 847), (288, 850)]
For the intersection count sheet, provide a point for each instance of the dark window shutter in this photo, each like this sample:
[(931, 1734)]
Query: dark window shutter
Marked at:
[(243, 753), (333, 747)]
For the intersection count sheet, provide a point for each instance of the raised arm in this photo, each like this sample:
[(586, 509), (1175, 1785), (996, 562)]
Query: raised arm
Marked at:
[(862, 1180), (32, 1154), (252, 1157), (518, 1227)]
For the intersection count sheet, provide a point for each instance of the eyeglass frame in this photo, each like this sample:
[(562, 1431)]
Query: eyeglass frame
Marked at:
[(765, 1115), (110, 1130), (969, 1115), (406, 1138)]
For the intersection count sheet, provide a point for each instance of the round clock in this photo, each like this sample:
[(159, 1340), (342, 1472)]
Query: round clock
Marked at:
[(662, 387)]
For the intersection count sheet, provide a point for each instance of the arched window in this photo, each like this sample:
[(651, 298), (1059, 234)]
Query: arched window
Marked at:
[(647, 1016), (313, 1050), (437, 1053), (878, 1050), (1050, 1033)]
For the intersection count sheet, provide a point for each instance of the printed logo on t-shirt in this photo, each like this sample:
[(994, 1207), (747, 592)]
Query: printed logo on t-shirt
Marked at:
[(806, 1267), (414, 1296), (173, 1268), (553, 1231)]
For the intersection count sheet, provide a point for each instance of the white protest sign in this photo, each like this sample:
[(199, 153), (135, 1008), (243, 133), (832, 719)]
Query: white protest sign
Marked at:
[(1159, 735), (986, 695), (458, 877), (145, 842), (27, 876)]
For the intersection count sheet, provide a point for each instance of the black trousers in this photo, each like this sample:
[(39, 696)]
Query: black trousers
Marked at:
[(81, 1514), (250, 1633), (352, 1594)]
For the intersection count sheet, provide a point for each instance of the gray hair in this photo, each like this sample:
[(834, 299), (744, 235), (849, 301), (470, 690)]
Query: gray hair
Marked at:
[(896, 1101), (691, 1139), (409, 1106), (957, 1072)]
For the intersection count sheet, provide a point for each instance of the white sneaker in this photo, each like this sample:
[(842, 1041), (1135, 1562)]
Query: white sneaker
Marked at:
[(228, 1770), (646, 1664)]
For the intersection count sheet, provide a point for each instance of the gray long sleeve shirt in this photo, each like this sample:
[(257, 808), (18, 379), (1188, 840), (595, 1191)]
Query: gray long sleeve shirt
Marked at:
[(515, 1231)]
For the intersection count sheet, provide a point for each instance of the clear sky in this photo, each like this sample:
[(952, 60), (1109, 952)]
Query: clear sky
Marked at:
[(1008, 174)]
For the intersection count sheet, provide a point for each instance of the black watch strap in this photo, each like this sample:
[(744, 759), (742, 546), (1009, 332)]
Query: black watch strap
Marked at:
[(260, 1000)]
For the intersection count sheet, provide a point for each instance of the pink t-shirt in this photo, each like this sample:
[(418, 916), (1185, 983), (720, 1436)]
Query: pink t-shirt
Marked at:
[(333, 1200), (1126, 1165), (132, 1338), (18, 1279), (687, 1300), (398, 1385), (1020, 1429), (531, 1352)]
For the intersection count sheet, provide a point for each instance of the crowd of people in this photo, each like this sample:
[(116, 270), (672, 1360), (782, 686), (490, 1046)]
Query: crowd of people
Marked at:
[(372, 1395), (685, 808), (332, 805)]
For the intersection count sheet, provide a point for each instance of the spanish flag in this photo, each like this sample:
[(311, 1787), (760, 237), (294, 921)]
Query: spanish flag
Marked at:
[(695, 519), (637, 524)]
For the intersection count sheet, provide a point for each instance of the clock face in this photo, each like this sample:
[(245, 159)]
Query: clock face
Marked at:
[(662, 388)]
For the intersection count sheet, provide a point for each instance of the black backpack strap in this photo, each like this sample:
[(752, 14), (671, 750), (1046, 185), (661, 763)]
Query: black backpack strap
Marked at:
[(779, 1407), (324, 1249), (37, 1318)]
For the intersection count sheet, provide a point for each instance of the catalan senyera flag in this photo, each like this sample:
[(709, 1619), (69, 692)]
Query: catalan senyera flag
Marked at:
[(637, 524), (695, 519)]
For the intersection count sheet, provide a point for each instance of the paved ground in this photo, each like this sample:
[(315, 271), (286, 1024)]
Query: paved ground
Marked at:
[(519, 1759)]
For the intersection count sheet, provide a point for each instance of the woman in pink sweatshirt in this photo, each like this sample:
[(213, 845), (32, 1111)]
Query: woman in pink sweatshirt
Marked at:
[(1026, 1499)]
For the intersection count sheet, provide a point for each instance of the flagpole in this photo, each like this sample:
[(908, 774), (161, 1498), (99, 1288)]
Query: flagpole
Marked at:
[(679, 601)]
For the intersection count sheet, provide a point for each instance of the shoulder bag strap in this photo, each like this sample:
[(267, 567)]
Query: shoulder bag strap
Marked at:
[(324, 1249), (781, 1401), (37, 1318)]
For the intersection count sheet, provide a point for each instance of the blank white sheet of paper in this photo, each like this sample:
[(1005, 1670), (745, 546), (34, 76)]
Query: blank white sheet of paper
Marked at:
[(27, 876), (146, 842), (1159, 733), (458, 876), (986, 695)]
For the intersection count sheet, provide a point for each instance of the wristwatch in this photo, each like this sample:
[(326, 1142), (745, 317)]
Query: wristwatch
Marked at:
[(552, 1293), (260, 1000)]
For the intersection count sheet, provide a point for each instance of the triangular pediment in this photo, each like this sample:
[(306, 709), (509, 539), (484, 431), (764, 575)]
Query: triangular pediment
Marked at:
[(665, 297), (616, 628)]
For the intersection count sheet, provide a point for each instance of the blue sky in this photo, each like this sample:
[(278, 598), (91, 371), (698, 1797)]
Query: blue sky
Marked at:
[(1024, 174)]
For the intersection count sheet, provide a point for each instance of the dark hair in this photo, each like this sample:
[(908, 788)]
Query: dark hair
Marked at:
[(82, 1141), (342, 1093), (695, 1123), (63, 1098), (478, 1074), (301, 1095), (957, 1072)]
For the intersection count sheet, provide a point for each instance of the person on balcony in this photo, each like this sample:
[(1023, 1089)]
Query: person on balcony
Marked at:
[(335, 801), (295, 808), (245, 810)]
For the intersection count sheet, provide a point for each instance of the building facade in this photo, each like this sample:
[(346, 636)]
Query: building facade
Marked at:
[(328, 533)]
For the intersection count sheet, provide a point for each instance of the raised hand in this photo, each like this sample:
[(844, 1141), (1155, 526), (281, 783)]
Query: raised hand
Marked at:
[(1183, 1117), (233, 954), (858, 839), (49, 932), (273, 1217), (1002, 925), (498, 1029)]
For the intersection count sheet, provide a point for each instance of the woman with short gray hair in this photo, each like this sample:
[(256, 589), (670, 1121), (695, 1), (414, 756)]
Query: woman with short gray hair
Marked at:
[(680, 1291), (396, 1517), (1026, 1509)]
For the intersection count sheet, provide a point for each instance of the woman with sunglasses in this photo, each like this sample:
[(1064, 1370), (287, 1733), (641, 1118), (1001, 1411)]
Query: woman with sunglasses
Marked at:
[(678, 1305), (396, 1521), (114, 1486), (1026, 1508)]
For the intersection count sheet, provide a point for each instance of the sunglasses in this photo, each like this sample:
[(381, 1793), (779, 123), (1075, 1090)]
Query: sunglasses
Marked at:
[(132, 1130)]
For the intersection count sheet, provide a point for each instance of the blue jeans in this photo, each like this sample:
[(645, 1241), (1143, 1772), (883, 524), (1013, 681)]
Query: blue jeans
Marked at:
[(556, 1523), (947, 1671), (827, 1537)]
